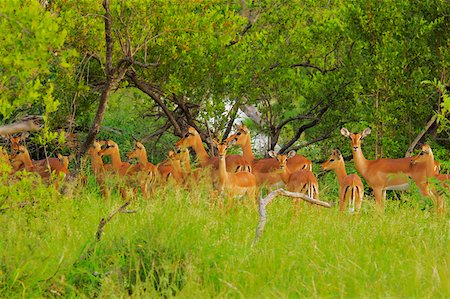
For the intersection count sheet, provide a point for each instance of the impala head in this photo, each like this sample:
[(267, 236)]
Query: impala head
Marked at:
[(334, 160), (110, 147), (94, 149), (222, 147), (355, 137), (15, 140), (21, 155), (174, 155), (138, 150), (241, 136), (425, 155), (282, 159), (64, 160), (189, 139)]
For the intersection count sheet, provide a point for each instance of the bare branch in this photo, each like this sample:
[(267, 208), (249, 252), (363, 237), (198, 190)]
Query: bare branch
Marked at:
[(420, 135), (29, 124), (104, 221), (263, 202)]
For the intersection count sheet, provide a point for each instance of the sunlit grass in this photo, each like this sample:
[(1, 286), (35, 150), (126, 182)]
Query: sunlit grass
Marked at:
[(195, 244)]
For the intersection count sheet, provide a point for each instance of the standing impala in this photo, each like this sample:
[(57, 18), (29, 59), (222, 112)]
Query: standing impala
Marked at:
[(302, 181), (383, 174), (145, 172), (425, 160), (350, 186), (98, 168), (242, 137), (234, 183), (192, 139)]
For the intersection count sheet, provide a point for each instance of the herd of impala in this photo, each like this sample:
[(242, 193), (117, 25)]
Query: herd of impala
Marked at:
[(239, 175)]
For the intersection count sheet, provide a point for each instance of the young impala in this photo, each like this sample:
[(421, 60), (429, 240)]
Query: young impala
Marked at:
[(425, 161), (234, 183), (97, 168), (302, 181), (145, 172), (122, 169), (350, 186)]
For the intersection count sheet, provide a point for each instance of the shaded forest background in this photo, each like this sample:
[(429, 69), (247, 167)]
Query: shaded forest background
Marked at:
[(299, 70)]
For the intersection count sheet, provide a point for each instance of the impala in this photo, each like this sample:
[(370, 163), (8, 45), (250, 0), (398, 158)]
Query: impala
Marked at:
[(234, 183), (350, 186), (192, 139), (267, 165), (384, 174), (97, 167), (145, 171), (302, 181), (123, 169), (44, 167), (425, 160)]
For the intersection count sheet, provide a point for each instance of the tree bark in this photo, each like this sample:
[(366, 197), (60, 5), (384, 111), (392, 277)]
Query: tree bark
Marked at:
[(113, 76)]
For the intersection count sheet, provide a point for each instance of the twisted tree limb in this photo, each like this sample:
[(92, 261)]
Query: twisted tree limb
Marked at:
[(29, 124), (104, 221), (263, 202)]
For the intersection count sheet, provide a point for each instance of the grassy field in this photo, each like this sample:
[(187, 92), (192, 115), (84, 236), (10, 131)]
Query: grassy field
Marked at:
[(189, 244)]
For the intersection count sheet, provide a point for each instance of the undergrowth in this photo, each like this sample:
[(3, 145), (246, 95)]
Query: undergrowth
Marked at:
[(196, 244)]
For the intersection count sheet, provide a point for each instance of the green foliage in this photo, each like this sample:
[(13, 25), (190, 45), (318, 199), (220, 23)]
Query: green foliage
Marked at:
[(31, 46)]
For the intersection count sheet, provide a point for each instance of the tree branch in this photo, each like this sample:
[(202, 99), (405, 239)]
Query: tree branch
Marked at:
[(263, 202), (420, 135), (303, 128), (318, 139), (156, 96)]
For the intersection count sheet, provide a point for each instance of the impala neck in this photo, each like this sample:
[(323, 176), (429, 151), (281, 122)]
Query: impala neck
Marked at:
[(96, 162), (142, 158), (341, 173), (223, 174), (176, 169), (185, 162), (285, 174), (200, 151), (27, 162), (360, 161), (115, 159), (247, 151)]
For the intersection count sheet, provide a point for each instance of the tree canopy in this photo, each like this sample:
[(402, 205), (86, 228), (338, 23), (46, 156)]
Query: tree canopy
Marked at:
[(299, 69)]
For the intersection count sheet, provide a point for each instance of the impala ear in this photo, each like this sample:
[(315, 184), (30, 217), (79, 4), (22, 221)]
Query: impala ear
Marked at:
[(365, 132), (272, 154), (345, 132), (192, 130), (216, 143), (245, 129), (291, 154)]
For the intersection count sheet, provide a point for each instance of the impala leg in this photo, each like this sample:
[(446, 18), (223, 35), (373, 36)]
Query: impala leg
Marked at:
[(343, 198), (380, 197), (359, 200)]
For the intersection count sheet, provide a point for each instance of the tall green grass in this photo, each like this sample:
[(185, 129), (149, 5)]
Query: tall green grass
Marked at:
[(194, 244)]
